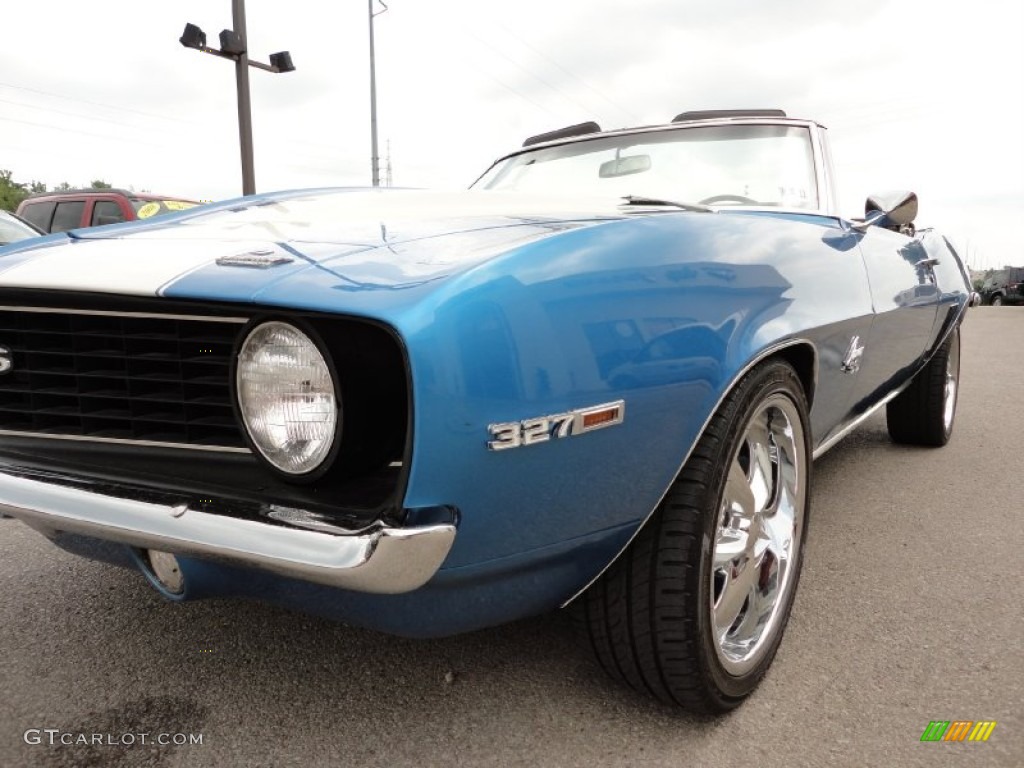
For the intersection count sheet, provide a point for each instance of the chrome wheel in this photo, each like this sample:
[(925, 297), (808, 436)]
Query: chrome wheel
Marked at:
[(756, 553), (952, 379)]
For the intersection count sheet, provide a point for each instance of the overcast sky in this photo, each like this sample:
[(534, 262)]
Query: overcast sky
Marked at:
[(916, 94)]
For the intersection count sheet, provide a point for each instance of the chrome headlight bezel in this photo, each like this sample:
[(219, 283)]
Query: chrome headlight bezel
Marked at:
[(326, 460)]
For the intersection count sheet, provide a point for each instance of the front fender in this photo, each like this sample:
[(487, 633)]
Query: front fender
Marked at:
[(661, 312)]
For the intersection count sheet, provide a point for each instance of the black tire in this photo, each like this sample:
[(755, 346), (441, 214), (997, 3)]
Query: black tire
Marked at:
[(649, 618), (997, 301), (918, 415)]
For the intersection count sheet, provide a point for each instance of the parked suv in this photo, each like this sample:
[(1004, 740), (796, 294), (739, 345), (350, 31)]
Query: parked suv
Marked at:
[(60, 211), (1004, 287)]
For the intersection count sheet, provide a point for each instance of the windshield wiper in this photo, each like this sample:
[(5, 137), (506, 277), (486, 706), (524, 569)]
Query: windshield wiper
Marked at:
[(641, 200)]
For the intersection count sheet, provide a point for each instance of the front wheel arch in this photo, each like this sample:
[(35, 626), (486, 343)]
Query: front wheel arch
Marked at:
[(648, 618), (804, 360), (799, 353)]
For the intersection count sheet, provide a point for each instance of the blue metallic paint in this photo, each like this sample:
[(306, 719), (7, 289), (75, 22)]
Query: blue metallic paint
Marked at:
[(456, 600), (552, 321), (552, 324), (506, 320)]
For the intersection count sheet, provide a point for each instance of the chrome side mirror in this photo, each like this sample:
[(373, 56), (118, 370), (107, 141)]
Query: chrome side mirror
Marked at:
[(893, 210)]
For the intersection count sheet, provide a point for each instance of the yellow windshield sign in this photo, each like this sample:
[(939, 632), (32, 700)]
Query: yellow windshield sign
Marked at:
[(149, 209)]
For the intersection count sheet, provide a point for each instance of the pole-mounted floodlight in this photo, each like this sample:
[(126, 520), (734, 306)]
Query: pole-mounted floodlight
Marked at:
[(231, 42), (193, 37), (282, 61), (233, 46)]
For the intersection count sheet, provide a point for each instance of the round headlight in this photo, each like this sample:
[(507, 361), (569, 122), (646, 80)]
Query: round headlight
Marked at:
[(286, 397)]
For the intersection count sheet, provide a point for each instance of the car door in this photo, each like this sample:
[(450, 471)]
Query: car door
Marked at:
[(105, 211), (69, 215), (1015, 285), (951, 277), (905, 297)]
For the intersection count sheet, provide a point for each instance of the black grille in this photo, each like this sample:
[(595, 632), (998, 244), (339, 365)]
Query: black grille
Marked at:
[(119, 377)]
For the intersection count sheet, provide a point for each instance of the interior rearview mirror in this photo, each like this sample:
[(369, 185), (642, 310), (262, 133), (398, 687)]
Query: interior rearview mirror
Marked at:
[(624, 166)]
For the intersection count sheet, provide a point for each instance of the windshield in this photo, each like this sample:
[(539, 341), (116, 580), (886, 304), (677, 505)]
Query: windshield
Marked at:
[(12, 230), (147, 207), (760, 165)]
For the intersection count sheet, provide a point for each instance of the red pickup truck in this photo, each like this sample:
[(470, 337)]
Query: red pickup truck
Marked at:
[(60, 211)]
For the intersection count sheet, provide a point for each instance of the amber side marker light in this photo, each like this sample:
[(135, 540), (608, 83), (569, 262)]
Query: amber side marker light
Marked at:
[(599, 416)]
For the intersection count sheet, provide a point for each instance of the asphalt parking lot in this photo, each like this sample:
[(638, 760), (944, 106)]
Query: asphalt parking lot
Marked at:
[(910, 609)]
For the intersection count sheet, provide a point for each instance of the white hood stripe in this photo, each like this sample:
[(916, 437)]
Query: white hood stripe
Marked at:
[(117, 266)]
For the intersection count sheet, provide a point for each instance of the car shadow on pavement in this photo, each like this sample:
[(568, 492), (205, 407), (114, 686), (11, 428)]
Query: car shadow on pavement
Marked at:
[(253, 677)]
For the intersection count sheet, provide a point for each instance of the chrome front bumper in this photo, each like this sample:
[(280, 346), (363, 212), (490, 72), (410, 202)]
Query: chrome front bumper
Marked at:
[(291, 542)]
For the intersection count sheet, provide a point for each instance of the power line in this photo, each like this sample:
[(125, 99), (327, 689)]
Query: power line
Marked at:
[(576, 77), (84, 133), (65, 112), (518, 93), (491, 47), (98, 104), (289, 140), (455, 22), (494, 49)]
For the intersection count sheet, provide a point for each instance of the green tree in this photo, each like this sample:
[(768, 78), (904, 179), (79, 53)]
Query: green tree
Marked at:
[(11, 192), (100, 184)]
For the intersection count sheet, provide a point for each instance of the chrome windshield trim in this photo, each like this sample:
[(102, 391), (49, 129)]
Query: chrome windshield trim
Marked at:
[(380, 559), (825, 206), (764, 354), (111, 313), (826, 170), (124, 441), (821, 181), (791, 121)]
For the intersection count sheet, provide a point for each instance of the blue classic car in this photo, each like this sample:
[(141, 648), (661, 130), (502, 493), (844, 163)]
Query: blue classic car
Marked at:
[(599, 378)]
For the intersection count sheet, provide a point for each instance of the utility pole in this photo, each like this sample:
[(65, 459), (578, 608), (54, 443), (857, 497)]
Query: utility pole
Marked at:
[(374, 159)]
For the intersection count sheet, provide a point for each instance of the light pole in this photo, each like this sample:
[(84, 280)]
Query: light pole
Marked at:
[(233, 46), (374, 159), (244, 102)]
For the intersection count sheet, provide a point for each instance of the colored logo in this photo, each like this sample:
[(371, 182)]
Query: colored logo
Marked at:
[(958, 730)]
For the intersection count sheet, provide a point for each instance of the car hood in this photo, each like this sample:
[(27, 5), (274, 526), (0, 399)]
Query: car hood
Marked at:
[(363, 238)]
